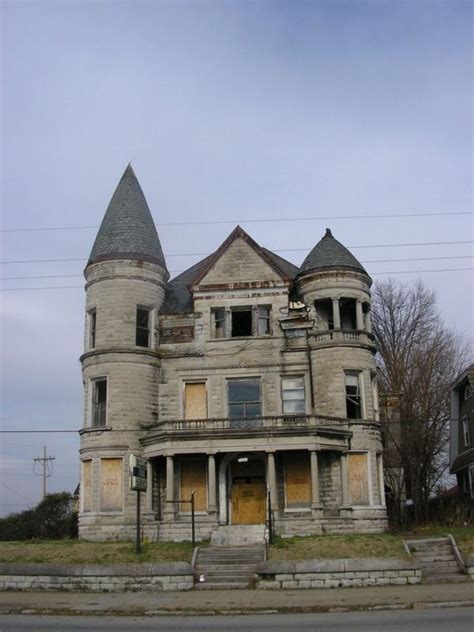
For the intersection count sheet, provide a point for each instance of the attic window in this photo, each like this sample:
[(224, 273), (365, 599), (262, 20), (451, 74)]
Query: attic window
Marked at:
[(241, 321), (467, 391)]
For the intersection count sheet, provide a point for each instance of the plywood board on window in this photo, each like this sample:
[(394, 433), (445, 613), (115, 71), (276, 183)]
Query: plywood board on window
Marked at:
[(86, 487), (193, 478), (195, 400), (358, 479), (297, 480), (111, 484)]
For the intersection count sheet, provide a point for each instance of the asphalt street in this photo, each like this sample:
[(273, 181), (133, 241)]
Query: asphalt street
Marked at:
[(432, 620)]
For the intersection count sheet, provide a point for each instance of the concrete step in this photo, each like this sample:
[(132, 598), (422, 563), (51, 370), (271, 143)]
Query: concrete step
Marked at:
[(239, 535), (446, 579), (226, 575), (443, 550), (225, 567), (444, 566), (426, 559)]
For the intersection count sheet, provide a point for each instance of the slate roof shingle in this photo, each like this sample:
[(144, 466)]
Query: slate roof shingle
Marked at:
[(128, 230), (330, 253)]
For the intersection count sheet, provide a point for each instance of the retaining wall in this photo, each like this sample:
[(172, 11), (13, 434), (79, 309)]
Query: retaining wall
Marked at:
[(335, 573), (113, 578)]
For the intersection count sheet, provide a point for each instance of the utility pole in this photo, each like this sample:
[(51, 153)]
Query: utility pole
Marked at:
[(47, 468)]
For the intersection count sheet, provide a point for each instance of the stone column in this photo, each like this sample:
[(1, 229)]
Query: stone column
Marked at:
[(316, 508), (345, 509), (336, 314), (368, 325), (149, 487), (271, 481), (170, 508), (359, 316), (211, 481)]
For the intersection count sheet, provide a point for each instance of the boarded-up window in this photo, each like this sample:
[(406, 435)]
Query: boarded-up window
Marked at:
[(86, 487), (195, 400), (358, 481), (111, 475), (297, 481), (193, 478)]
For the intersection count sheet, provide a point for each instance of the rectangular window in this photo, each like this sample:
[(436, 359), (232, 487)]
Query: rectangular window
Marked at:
[(244, 398), (293, 397), (471, 481), (195, 400), (264, 324), (297, 481), (241, 321), (353, 396), (219, 322), (92, 313), (86, 486), (99, 402), (238, 322), (193, 479), (142, 336), (465, 431), (111, 484), (358, 478)]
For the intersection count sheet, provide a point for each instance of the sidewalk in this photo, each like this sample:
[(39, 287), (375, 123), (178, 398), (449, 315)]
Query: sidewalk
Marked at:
[(239, 601)]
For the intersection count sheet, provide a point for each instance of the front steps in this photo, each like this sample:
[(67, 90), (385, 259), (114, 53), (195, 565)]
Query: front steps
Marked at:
[(227, 567), (438, 561)]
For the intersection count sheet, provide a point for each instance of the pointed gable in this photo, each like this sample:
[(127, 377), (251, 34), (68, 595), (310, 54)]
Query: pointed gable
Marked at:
[(240, 260), (128, 230)]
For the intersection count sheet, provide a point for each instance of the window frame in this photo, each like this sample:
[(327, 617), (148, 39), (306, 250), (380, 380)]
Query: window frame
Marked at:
[(183, 397), (258, 381), (123, 484), (282, 398), (91, 328), (360, 386), (222, 321), (465, 430), (94, 382), (139, 328)]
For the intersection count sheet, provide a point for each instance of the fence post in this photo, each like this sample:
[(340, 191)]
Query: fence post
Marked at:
[(193, 526)]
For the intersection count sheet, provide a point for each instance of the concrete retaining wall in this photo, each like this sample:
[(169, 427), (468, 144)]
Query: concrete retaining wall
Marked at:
[(469, 566), (116, 578), (335, 573)]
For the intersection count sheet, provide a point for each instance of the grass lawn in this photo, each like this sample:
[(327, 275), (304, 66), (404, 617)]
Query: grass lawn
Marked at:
[(80, 552), (370, 545)]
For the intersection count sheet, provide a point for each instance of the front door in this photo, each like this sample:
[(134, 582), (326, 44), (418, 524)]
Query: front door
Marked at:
[(248, 501)]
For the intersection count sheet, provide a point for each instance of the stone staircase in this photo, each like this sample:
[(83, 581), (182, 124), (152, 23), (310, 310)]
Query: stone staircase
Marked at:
[(438, 559), (227, 567), (232, 558)]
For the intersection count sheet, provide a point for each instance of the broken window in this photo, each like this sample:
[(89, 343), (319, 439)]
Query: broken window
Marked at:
[(99, 402), (219, 322), (244, 398), (292, 395), (92, 327), (238, 322), (142, 336), (353, 396), (241, 321)]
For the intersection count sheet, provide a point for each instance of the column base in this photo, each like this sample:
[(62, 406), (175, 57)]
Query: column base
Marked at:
[(345, 511), (317, 511)]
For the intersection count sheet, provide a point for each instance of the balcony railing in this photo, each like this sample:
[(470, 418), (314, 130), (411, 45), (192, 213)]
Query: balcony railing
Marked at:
[(341, 335), (252, 423)]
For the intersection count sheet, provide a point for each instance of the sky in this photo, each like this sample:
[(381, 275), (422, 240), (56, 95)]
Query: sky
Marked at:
[(304, 114)]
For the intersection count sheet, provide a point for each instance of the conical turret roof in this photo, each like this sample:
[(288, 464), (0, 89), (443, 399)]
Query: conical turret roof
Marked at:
[(329, 253), (127, 230)]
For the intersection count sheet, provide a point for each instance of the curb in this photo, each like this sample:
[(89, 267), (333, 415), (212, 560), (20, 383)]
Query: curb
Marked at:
[(139, 612)]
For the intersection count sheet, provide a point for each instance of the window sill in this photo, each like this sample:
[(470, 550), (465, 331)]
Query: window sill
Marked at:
[(261, 337), (92, 429), (298, 510)]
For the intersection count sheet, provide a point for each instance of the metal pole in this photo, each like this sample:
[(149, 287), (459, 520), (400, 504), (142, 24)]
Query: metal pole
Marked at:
[(138, 523), (193, 526), (270, 521)]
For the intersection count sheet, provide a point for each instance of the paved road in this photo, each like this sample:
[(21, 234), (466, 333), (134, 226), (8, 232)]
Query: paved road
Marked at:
[(429, 620)]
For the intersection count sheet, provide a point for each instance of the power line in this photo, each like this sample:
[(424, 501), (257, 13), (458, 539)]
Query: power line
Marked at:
[(66, 276), (205, 254), (80, 287), (252, 221)]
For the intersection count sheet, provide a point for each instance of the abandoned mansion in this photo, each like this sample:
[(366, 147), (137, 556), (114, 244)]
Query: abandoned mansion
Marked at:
[(245, 380)]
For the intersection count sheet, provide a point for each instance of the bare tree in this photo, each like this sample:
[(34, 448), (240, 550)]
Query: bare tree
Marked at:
[(418, 360)]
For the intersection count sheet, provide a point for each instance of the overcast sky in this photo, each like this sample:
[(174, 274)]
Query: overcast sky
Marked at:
[(228, 111)]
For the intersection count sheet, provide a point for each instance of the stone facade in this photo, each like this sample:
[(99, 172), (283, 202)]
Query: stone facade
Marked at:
[(244, 381)]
